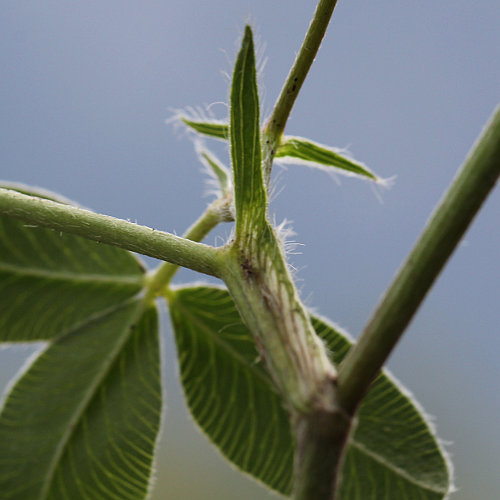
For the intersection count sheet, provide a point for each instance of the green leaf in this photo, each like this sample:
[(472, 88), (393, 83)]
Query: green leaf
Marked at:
[(249, 190), (394, 450), (220, 171), (227, 388), (214, 129), (300, 150), (295, 149), (50, 281), (393, 453), (82, 421)]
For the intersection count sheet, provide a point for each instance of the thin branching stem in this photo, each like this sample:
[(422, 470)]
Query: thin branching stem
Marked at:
[(110, 230), (208, 220), (443, 232), (298, 73)]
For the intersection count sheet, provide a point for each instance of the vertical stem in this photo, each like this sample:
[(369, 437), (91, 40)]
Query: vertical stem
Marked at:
[(300, 68), (320, 440), (321, 428), (440, 237)]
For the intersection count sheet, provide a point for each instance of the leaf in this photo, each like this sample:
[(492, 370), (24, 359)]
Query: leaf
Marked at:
[(214, 129), (220, 171), (295, 149), (394, 450), (249, 190), (82, 421), (300, 150), (50, 281), (226, 386), (393, 453)]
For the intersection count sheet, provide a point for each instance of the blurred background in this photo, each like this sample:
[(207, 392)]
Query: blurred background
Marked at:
[(85, 93)]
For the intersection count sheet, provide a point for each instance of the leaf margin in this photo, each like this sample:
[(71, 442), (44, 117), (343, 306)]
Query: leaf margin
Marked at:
[(388, 377)]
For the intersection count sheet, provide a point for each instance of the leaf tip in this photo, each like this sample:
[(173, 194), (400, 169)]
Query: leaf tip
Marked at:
[(247, 44), (248, 32)]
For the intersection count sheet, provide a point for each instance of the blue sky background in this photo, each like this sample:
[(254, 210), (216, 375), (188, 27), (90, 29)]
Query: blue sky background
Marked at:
[(86, 89)]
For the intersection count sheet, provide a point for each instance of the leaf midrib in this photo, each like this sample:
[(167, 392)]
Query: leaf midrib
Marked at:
[(225, 345), (389, 465), (69, 276), (72, 425), (376, 457)]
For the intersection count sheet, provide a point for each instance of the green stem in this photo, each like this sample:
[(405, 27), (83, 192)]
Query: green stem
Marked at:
[(305, 57), (269, 305), (263, 291), (213, 214), (320, 440), (109, 230), (440, 237), (257, 278)]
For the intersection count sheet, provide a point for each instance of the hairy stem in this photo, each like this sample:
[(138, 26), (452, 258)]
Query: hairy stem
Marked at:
[(302, 372), (264, 293), (443, 232), (213, 214), (109, 230), (276, 124), (262, 289)]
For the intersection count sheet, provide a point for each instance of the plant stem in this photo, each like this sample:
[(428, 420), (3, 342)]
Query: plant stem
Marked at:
[(109, 230), (320, 439), (263, 291), (213, 214), (442, 234), (276, 124)]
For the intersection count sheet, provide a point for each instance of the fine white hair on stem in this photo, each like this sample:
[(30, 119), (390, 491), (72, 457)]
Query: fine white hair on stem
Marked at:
[(276, 185), (285, 233)]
